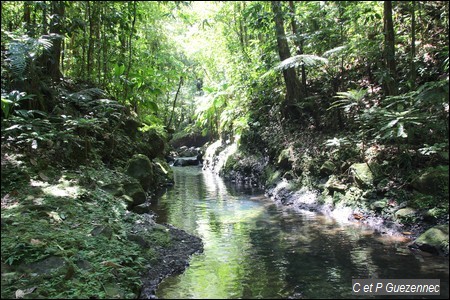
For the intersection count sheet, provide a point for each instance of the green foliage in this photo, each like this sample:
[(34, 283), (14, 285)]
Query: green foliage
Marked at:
[(350, 101), (13, 100), (23, 51)]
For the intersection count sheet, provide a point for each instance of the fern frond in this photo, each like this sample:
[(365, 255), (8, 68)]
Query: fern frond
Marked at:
[(301, 59), (333, 51)]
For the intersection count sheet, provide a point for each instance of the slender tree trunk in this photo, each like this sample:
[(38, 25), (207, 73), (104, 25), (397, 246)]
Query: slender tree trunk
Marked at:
[(290, 76), (175, 102), (56, 26), (413, 45), (389, 51), (27, 16), (44, 17), (90, 50), (299, 45), (130, 53)]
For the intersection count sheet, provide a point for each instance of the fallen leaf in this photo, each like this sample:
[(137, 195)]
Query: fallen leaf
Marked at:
[(33, 162)]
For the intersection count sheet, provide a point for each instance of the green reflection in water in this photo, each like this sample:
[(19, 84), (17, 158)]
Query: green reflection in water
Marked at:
[(255, 249)]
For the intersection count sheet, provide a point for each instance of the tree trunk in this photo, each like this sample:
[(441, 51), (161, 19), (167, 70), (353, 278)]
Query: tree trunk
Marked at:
[(175, 103), (130, 53), (299, 45), (413, 46), (27, 17), (290, 76), (53, 59), (390, 83)]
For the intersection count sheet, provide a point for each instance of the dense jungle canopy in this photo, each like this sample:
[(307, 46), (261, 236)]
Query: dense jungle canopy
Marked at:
[(376, 68)]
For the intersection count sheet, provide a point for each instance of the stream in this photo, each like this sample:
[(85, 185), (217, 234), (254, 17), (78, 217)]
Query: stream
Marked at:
[(254, 248)]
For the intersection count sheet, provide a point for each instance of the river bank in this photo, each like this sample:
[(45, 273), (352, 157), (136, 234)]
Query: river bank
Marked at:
[(416, 215), (75, 193)]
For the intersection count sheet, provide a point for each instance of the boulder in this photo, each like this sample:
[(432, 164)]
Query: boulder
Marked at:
[(141, 168), (434, 240), (362, 175), (135, 192), (432, 181), (405, 214), (163, 172)]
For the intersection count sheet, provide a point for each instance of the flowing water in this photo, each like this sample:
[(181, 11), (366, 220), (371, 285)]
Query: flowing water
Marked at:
[(254, 248)]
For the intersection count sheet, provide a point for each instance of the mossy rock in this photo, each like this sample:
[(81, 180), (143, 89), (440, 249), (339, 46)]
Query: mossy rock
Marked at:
[(134, 191), (379, 205), (141, 168), (406, 214), (163, 171), (362, 175), (434, 213), (434, 240), (334, 185), (327, 168), (432, 181)]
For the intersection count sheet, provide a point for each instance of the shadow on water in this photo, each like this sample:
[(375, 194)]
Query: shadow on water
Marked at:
[(254, 248)]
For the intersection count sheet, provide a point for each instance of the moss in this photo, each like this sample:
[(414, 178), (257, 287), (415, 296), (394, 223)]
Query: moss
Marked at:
[(432, 181), (81, 228)]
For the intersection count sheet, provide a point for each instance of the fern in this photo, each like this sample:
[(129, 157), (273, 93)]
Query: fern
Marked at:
[(23, 51), (333, 51), (301, 59)]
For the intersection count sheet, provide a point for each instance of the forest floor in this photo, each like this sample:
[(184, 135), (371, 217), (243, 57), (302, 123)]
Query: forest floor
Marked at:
[(68, 230)]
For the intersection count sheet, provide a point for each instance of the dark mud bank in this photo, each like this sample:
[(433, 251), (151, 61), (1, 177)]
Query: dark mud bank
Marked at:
[(173, 260)]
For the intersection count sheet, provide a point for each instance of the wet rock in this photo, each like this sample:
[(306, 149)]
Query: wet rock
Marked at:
[(180, 162), (139, 239), (173, 260), (115, 189), (434, 213), (435, 240), (284, 159), (141, 209)]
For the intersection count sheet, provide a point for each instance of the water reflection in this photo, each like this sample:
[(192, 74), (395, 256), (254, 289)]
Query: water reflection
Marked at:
[(255, 249)]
